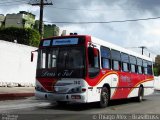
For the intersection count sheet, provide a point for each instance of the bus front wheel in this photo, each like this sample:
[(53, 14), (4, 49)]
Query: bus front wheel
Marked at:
[(104, 98)]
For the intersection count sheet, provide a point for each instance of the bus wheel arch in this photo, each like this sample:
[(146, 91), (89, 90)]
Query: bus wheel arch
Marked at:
[(104, 96), (140, 93)]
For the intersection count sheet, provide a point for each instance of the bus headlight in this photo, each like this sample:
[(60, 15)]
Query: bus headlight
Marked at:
[(39, 88)]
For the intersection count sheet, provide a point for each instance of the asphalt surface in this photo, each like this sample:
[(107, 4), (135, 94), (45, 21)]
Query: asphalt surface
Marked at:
[(34, 109)]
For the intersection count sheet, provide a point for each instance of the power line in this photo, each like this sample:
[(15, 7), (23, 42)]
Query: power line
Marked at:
[(105, 22), (12, 1), (13, 4), (92, 9)]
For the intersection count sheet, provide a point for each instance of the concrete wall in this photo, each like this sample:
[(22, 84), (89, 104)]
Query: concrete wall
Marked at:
[(14, 20), (15, 65)]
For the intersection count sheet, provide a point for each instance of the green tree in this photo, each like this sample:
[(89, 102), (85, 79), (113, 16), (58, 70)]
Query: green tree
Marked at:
[(156, 69), (26, 36)]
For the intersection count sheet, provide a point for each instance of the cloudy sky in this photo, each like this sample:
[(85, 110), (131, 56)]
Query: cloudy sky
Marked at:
[(130, 35)]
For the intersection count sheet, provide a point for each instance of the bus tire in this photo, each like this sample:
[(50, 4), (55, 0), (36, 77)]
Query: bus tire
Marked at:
[(104, 98), (140, 94)]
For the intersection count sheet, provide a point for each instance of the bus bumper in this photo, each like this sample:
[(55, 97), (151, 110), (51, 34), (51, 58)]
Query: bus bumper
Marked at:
[(76, 97)]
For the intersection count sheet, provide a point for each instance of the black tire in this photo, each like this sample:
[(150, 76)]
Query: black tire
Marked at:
[(140, 95), (104, 98)]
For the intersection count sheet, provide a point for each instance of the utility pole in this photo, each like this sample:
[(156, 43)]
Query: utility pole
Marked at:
[(142, 47), (40, 3)]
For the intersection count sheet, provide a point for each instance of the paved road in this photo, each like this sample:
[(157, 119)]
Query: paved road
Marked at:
[(31, 108)]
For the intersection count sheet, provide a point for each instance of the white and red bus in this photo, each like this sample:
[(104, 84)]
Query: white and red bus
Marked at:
[(84, 69)]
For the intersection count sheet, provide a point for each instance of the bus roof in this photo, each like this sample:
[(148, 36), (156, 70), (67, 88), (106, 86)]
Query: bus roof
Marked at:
[(116, 47), (106, 44)]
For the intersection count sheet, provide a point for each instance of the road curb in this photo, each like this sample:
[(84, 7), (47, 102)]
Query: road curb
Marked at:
[(12, 96)]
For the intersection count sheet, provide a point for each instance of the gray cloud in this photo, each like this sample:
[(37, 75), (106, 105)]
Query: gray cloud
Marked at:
[(151, 6)]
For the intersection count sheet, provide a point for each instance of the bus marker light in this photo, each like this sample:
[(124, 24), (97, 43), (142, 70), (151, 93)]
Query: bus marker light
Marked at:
[(83, 89)]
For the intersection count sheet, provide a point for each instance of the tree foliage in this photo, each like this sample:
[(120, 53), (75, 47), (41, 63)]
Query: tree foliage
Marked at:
[(156, 69), (26, 36)]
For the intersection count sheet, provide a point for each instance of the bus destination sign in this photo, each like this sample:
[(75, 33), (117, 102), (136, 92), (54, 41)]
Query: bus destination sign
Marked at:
[(66, 41)]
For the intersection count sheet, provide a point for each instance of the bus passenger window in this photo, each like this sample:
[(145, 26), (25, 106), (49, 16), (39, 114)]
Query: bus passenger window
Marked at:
[(116, 65), (105, 63), (125, 67), (145, 70), (133, 68), (140, 69), (149, 68), (105, 57)]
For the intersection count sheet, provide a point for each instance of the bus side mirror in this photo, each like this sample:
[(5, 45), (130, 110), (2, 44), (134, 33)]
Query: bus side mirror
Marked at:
[(32, 55), (95, 52)]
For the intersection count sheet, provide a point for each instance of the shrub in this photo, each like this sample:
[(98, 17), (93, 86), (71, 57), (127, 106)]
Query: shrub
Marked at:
[(26, 36)]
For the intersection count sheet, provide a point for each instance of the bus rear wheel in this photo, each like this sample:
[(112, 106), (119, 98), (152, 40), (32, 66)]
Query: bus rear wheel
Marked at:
[(140, 94), (104, 98)]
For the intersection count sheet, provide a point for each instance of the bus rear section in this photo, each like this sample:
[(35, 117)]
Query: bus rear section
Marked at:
[(83, 69)]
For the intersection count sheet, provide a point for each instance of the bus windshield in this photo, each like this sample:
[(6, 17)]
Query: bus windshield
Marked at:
[(61, 62)]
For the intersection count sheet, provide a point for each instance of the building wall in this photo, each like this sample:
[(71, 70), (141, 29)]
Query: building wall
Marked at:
[(157, 59), (15, 65), (2, 18), (22, 19), (14, 20), (51, 30)]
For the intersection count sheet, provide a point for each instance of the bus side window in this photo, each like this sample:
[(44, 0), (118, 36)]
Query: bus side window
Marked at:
[(116, 59), (139, 66), (93, 58), (125, 62), (144, 66), (133, 68), (116, 65), (149, 68), (140, 69), (105, 57), (125, 67), (106, 63)]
